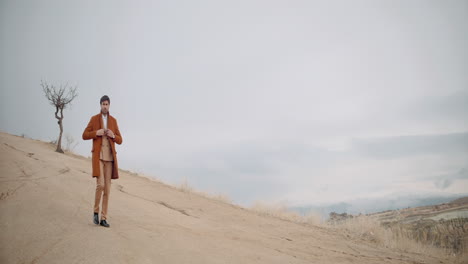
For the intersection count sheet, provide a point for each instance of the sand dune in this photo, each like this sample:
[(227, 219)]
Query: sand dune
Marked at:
[(46, 217)]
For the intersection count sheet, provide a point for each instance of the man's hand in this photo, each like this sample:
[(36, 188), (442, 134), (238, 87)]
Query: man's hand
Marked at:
[(109, 133), (100, 132)]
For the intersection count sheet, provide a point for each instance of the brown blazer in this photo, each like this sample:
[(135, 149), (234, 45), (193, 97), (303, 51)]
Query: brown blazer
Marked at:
[(90, 133)]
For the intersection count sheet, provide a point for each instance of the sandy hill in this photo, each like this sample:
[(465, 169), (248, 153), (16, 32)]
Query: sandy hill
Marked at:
[(46, 217)]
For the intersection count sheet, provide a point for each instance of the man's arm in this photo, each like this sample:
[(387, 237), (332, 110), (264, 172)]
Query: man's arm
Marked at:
[(88, 133), (117, 136)]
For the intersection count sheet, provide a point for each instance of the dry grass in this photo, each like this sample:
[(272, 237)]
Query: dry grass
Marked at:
[(395, 237), (273, 210), (70, 143), (283, 212), (278, 210), (185, 187)]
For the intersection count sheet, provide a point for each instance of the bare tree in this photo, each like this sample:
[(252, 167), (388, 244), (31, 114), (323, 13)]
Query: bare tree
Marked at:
[(60, 98)]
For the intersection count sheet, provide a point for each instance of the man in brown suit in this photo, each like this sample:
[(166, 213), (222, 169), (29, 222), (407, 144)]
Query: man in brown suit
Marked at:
[(104, 131)]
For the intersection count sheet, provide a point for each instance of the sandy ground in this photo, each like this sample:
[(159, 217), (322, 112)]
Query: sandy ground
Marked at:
[(46, 212)]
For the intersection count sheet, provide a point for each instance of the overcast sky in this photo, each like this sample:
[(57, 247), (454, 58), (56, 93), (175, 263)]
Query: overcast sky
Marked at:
[(302, 102)]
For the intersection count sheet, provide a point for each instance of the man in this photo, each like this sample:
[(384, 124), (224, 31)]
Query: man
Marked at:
[(104, 132)]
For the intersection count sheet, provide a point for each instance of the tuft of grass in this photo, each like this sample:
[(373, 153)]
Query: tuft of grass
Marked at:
[(283, 212), (185, 187)]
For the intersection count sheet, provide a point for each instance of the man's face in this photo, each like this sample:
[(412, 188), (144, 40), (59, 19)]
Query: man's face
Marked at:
[(105, 107)]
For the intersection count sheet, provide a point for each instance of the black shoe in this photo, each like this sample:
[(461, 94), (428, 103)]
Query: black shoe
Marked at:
[(96, 218), (104, 223)]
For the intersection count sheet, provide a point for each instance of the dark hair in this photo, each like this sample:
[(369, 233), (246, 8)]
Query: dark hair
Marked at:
[(104, 98)]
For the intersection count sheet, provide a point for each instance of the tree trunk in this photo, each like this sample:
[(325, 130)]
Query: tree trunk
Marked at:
[(59, 142), (60, 118)]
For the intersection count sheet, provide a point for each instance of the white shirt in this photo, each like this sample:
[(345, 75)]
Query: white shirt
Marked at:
[(104, 120)]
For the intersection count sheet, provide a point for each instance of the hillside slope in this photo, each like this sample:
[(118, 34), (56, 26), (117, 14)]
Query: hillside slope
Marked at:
[(46, 217)]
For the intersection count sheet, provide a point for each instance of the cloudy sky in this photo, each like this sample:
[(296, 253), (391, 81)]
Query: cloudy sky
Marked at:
[(300, 102)]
